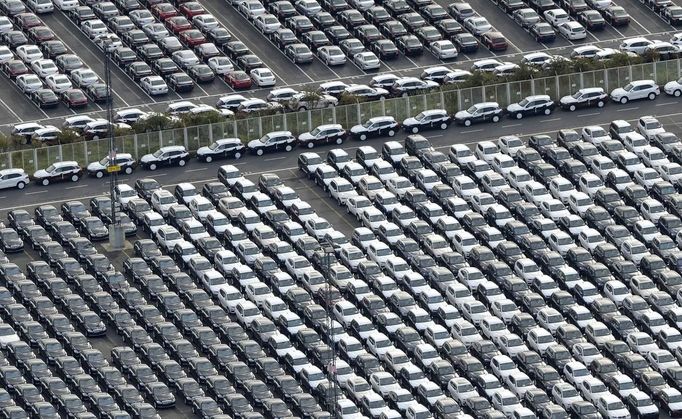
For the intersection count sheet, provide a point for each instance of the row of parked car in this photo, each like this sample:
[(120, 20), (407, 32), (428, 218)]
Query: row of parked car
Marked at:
[(536, 105), (166, 46), (576, 332), (41, 66)]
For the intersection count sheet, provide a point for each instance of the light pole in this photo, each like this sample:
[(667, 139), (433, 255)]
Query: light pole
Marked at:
[(116, 233), (329, 252)]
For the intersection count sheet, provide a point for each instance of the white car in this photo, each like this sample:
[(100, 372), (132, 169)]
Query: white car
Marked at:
[(638, 89), (44, 67), (66, 5), (572, 30), (331, 56), (636, 45), (556, 17), (84, 77), (673, 88), (13, 178), (28, 83), (443, 50), (267, 23), (58, 82), (220, 65), (477, 25), (154, 85), (205, 21), (29, 53), (611, 407), (94, 28), (366, 61), (649, 126), (262, 77), (6, 54)]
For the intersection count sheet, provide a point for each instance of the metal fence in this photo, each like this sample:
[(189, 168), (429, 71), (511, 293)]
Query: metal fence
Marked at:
[(346, 115)]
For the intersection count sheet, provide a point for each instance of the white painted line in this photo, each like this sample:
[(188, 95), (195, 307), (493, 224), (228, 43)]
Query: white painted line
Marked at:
[(471, 130), (275, 158), (667, 103), (588, 114), (551, 120), (77, 187), (511, 125), (10, 110), (36, 192), (196, 170), (632, 108)]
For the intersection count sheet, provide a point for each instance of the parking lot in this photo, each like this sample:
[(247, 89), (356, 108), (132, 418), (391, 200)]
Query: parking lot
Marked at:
[(127, 93)]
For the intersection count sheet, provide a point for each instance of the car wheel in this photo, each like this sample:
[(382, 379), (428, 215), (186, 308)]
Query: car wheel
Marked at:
[(652, 96), (363, 137), (288, 148), (467, 122), (677, 93), (548, 111), (95, 137), (259, 152), (339, 141), (99, 175), (45, 182), (391, 133), (302, 108), (443, 126), (128, 170), (209, 159), (237, 155), (152, 166), (21, 185), (571, 108), (600, 104), (496, 118), (623, 100), (415, 130), (519, 115), (74, 178), (182, 162)]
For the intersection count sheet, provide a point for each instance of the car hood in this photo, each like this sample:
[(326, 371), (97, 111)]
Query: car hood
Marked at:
[(204, 150), (255, 143), (358, 128), (618, 92), (567, 99), (410, 121), (95, 166), (514, 107), (41, 173), (147, 158), (462, 114), (306, 136)]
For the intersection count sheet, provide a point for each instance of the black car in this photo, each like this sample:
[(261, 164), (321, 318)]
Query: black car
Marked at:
[(98, 93), (138, 69), (409, 45), (201, 73), (44, 98), (180, 82)]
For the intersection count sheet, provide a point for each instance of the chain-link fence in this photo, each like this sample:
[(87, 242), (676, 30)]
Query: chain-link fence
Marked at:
[(347, 115)]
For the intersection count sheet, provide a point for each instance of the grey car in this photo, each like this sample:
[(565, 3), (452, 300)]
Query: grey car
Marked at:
[(299, 53)]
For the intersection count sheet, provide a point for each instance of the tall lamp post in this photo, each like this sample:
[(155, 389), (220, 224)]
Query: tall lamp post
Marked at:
[(329, 254), (116, 233)]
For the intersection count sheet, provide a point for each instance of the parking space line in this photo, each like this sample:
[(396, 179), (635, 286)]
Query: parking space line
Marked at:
[(585, 115), (632, 108), (667, 103), (12, 111), (550, 120), (35, 193), (196, 170), (511, 125)]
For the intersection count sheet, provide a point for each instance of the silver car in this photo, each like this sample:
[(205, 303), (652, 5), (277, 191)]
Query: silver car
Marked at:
[(331, 55)]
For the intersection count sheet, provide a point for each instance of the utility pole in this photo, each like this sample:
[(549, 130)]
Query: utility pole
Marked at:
[(328, 248), (116, 233)]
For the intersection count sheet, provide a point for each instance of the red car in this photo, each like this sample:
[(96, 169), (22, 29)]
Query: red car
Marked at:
[(238, 80), (74, 98), (26, 21), (192, 37), (40, 34), (164, 11), (177, 24), (14, 68), (191, 9), (495, 41)]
